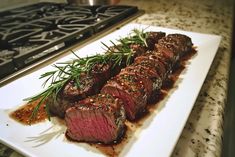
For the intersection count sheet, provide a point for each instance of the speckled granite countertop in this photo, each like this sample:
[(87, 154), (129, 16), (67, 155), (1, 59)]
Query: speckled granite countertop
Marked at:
[(202, 135)]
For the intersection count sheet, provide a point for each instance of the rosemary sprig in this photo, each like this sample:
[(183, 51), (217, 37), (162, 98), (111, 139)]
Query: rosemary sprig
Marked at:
[(56, 79), (136, 37)]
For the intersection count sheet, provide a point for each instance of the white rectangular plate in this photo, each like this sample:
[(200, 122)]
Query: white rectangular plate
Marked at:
[(157, 136)]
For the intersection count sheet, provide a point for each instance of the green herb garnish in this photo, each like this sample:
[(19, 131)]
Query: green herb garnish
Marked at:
[(56, 79), (139, 37)]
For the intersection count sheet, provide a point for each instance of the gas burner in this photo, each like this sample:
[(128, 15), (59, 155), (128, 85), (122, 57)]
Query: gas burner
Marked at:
[(33, 32)]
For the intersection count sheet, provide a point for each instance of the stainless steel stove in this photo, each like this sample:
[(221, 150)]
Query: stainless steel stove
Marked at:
[(31, 33)]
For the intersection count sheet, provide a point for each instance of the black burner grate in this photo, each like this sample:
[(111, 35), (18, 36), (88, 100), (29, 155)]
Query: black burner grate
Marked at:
[(33, 32)]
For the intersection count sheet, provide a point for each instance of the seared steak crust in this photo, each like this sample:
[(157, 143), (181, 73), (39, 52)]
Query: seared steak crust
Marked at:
[(153, 38), (130, 90)]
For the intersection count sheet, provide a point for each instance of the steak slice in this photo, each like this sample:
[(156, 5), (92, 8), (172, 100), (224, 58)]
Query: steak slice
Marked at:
[(99, 118), (138, 49), (140, 73), (89, 84), (70, 93), (182, 42), (174, 45), (153, 38), (154, 61), (132, 92)]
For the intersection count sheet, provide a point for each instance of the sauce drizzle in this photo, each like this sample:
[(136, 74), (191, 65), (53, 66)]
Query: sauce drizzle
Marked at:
[(24, 113)]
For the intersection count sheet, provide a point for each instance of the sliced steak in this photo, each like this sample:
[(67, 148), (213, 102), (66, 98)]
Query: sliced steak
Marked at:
[(99, 118), (150, 70), (130, 91)]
